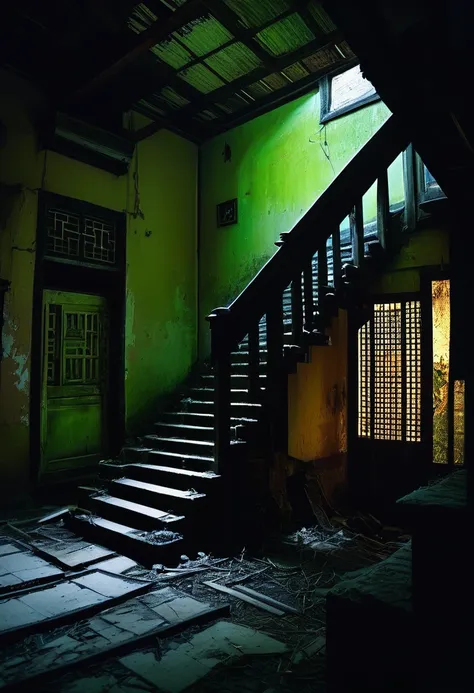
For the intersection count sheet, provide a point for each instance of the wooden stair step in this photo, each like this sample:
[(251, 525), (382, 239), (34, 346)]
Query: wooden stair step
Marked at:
[(162, 546), (133, 514), (204, 394), (179, 444), (201, 419), (238, 409), (166, 458), (161, 475), (178, 430), (170, 499)]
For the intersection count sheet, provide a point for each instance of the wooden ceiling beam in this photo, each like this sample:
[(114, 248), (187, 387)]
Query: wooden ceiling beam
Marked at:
[(277, 98), (259, 73), (230, 20), (301, 6), (157, 32)]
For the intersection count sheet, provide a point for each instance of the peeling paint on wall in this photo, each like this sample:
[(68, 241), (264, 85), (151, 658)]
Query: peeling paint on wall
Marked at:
[(278, 169), (130, 320), (10, 351)]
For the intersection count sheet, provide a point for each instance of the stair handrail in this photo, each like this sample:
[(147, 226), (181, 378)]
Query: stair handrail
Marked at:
[(229, 325), (292, 265)]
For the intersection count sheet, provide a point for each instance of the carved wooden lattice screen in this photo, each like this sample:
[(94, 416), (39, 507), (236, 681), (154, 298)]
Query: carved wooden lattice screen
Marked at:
[(390, 373)]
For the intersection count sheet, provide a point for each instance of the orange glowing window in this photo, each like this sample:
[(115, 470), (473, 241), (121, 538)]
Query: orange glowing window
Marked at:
[(440, 296), (390, 373)]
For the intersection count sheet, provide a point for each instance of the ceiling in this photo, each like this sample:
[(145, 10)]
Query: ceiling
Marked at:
[(197, 67)]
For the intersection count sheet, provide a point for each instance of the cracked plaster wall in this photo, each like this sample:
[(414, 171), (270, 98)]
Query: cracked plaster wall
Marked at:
[(161, 270)]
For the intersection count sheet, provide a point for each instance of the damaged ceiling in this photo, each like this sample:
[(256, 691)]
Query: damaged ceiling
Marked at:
[(197, 67)]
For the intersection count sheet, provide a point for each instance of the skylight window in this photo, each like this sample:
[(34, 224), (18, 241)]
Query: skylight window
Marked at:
[(345, 91)]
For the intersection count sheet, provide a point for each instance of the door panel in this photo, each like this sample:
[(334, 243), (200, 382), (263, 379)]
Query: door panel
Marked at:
[(389, 455), (75, 337)]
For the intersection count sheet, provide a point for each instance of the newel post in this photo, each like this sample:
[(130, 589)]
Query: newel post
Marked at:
[(220, 356)]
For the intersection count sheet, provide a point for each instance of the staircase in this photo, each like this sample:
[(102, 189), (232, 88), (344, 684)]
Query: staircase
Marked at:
[(168, 496)]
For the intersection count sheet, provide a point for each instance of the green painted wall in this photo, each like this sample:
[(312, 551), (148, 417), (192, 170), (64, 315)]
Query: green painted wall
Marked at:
[(161, 343), (280, 163)]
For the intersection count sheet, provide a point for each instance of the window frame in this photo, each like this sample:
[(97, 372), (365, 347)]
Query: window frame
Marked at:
[(426, 193), (387, 298), (325, 97)]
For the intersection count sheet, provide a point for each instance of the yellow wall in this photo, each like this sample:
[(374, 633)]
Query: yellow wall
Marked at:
[(427, 247), (318, 391), (317, 397), (161, 269)]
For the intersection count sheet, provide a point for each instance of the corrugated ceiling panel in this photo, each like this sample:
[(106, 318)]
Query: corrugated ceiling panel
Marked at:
[(206, 116), (233, 62), (254, 13), (233, 104), (285, 36), (201, 78), (346, 49), (173, 98), (203, 35), (173, 53), (295, 72), (151, 107), (322, 18), (141, 18), (275, 81), (259, 89), (323, 58)]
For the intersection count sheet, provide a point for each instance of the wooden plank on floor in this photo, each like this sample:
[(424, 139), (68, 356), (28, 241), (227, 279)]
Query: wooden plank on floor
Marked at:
[(79, 557), (47, 607), (266, 599), (20, 567), (244, 598), (120, 648)]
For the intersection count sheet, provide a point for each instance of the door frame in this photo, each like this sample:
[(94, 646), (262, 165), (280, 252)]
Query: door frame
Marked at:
[(79, 278), (357, 316)]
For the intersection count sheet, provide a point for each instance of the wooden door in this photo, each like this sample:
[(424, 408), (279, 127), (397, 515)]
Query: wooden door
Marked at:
[(389, 455), (74, 397)]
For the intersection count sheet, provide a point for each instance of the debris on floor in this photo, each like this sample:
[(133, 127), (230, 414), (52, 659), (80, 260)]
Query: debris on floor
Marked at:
[(124, 622)]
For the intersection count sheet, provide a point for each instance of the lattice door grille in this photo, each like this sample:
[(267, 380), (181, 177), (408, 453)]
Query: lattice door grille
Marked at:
[(80, 239), (74, 346), (81, 347), (390, 373)]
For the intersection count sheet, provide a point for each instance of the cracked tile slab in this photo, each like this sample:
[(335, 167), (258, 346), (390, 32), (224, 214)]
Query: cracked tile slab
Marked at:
[(182, 666)]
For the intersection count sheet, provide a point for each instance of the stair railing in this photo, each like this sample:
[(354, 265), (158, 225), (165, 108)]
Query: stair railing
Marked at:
[(292, 265)]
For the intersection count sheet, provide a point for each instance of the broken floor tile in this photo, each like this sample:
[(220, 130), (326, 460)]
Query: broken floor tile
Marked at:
[(6, 549), (113, 634), (117, 565), (158, 597), (107, 585), (61, 599), (173, 673), (15, 614), (180, 609), (310, 650), (64, 642), (134, 618), (180, 667), (80, 556), (91, 684)]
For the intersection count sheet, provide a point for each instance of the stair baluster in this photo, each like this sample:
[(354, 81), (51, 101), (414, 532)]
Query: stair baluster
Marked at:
[(221, 348), (357, 233), (322, 275), (308, 296), (254, 361), (299, 258), (383, 209), (296, 308), (409, 178), (276, 374), (336, 257)]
